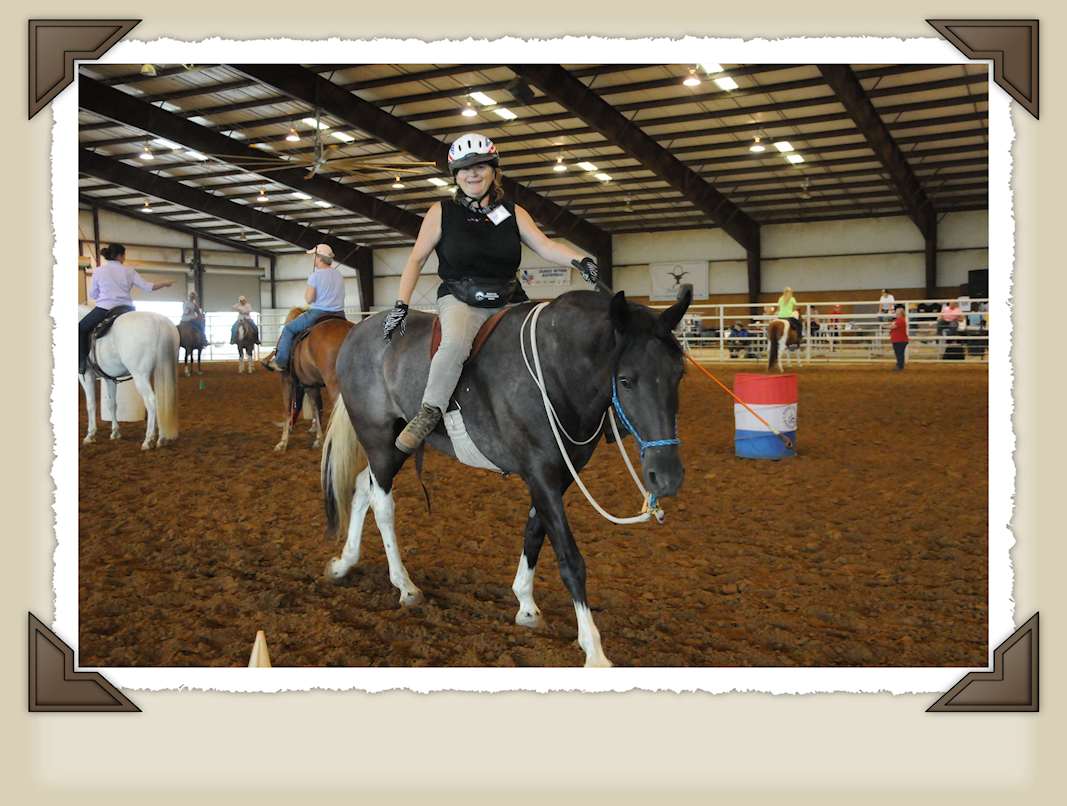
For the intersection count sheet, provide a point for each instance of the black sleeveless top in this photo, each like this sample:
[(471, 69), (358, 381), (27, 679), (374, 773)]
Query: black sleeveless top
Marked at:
[(473, 246)]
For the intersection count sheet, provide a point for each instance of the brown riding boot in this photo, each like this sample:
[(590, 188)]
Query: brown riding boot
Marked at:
[(419, 428)]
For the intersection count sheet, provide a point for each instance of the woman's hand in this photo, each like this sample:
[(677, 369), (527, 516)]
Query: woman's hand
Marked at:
[(588, 269), (395, 319)]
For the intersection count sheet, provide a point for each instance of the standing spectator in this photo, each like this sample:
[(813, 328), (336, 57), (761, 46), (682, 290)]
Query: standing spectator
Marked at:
[(949, 319), (898, 336), (885, 305)]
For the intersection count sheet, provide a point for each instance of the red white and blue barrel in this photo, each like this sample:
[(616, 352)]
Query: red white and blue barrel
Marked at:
[(774, 398)]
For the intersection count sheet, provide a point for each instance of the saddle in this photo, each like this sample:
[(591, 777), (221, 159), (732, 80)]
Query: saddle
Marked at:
[(325, 318), (480, 338), (99, 332)]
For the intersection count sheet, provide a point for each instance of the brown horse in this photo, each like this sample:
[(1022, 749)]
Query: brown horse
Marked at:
[(247, 339), (312, 367), (190, 338), (783, 339)]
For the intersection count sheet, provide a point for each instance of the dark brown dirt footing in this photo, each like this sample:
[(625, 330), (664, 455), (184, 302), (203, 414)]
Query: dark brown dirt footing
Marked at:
[(867, 549)]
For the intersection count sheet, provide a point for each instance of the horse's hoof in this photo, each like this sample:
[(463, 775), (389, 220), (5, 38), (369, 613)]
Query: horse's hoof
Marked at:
[(598, 663), (187, 373), (316, 444), (280, 447), (89, 439), (335, 572), (116, 435), (146, 446), (533, 621), (411, 598)]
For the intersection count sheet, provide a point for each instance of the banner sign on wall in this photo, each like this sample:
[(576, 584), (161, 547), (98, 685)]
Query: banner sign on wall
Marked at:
[(548, 282), (667, 278)]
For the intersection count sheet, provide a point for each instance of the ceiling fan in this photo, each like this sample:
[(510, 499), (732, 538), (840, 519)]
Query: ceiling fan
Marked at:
[(325, 158)]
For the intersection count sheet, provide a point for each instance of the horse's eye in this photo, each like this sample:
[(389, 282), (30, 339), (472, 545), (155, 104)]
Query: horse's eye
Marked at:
[(625, 382)]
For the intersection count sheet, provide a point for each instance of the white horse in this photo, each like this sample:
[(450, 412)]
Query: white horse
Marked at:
[(143, 345)]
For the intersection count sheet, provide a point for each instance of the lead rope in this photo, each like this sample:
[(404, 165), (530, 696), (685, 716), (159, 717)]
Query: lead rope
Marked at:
[(650, 507)]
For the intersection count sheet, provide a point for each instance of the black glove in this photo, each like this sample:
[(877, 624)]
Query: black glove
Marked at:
[(588, 269), (395, 319)]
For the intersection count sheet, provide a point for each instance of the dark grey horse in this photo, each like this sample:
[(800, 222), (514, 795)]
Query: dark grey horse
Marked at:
[(585, 339)]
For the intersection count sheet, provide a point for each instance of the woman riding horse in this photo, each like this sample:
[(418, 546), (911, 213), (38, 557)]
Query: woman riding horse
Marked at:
[(112, 284), (787, 309), (192, 312), (478, 237), (244, 316), (325, 294)]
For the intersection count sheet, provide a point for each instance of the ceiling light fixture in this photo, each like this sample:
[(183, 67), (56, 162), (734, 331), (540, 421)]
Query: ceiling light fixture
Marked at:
[(505, 113), (292, 137), (301, 195), (397, 184), (146, 154), (784, 146), (757, 147), (344, 137), (469, 111), (726, 83), (603, 177), (712, 68), (312, 123), (692, 80), (262, 197), (559, 167), (483, 99), (324, 204), (796, 159), (147, 207), (433, 180), (148, 70), (587, 166)]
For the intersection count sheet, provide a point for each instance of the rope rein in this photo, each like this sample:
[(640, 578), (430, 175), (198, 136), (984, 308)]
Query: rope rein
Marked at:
[(650, 507)]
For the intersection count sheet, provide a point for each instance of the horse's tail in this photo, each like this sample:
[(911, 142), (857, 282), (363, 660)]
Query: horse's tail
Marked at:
[(772, 337), (165, 382), (342, 460)]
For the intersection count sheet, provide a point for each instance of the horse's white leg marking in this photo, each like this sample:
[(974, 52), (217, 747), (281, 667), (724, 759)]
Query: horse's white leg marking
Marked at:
[(113, 390), (384, 515), (339, 566), (529, 614), (589, 637), (145, 388), (88, 381)]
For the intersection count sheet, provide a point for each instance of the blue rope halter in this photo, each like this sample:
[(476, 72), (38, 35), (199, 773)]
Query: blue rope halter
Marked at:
[(641, 444)]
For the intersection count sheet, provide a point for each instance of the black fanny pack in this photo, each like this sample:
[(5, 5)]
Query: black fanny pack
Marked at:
[(485, 292)]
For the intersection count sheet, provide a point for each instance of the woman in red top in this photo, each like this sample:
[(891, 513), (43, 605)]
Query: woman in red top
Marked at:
[(898, 335)]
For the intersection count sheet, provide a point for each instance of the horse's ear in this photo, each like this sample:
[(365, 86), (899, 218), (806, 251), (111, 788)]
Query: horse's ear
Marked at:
[(669, 319), (620, 312)]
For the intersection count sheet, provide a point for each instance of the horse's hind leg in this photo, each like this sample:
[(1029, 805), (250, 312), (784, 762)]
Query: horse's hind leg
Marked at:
[(283, 443), (316, 414), (149, 396), (113, 390), (338, 567), (199, 361), (529, 614), (385, 515), (549, 506), (88, 382)]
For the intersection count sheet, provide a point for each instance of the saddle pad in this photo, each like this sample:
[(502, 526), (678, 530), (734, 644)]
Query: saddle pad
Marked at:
[(105, 324), (479, 339), (466, 451)]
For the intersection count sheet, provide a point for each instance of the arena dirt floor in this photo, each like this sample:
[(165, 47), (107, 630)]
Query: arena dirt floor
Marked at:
[(868, 549)]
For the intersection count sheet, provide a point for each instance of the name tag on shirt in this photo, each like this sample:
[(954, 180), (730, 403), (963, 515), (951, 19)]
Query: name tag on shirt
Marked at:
[(499, 214)]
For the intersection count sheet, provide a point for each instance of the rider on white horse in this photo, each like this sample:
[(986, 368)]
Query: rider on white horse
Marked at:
[(111, 288)]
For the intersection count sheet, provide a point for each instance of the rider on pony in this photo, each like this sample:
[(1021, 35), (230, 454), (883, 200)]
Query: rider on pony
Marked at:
[(325, 294), (112, 284), (192, 312), (244, 315), (787, 310), (478, 237)]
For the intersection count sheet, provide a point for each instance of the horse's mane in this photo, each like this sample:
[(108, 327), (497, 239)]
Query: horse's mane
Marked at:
[(642, 321)]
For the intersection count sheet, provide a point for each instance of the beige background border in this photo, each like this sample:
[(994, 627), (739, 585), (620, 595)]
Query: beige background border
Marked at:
[(514, 748)]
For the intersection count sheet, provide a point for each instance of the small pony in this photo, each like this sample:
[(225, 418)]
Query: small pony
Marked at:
[(142, 345), (783, 339), (312, 366), (191, 338)]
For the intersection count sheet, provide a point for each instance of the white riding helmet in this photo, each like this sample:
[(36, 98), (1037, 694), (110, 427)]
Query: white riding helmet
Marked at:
[(471, 149)]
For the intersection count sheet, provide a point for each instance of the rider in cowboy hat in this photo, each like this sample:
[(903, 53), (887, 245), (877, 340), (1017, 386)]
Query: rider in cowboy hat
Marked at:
[(478, 237), (325, 294)]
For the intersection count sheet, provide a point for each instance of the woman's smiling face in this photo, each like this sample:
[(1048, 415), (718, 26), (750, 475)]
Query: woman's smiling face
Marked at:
[(475, 180)]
